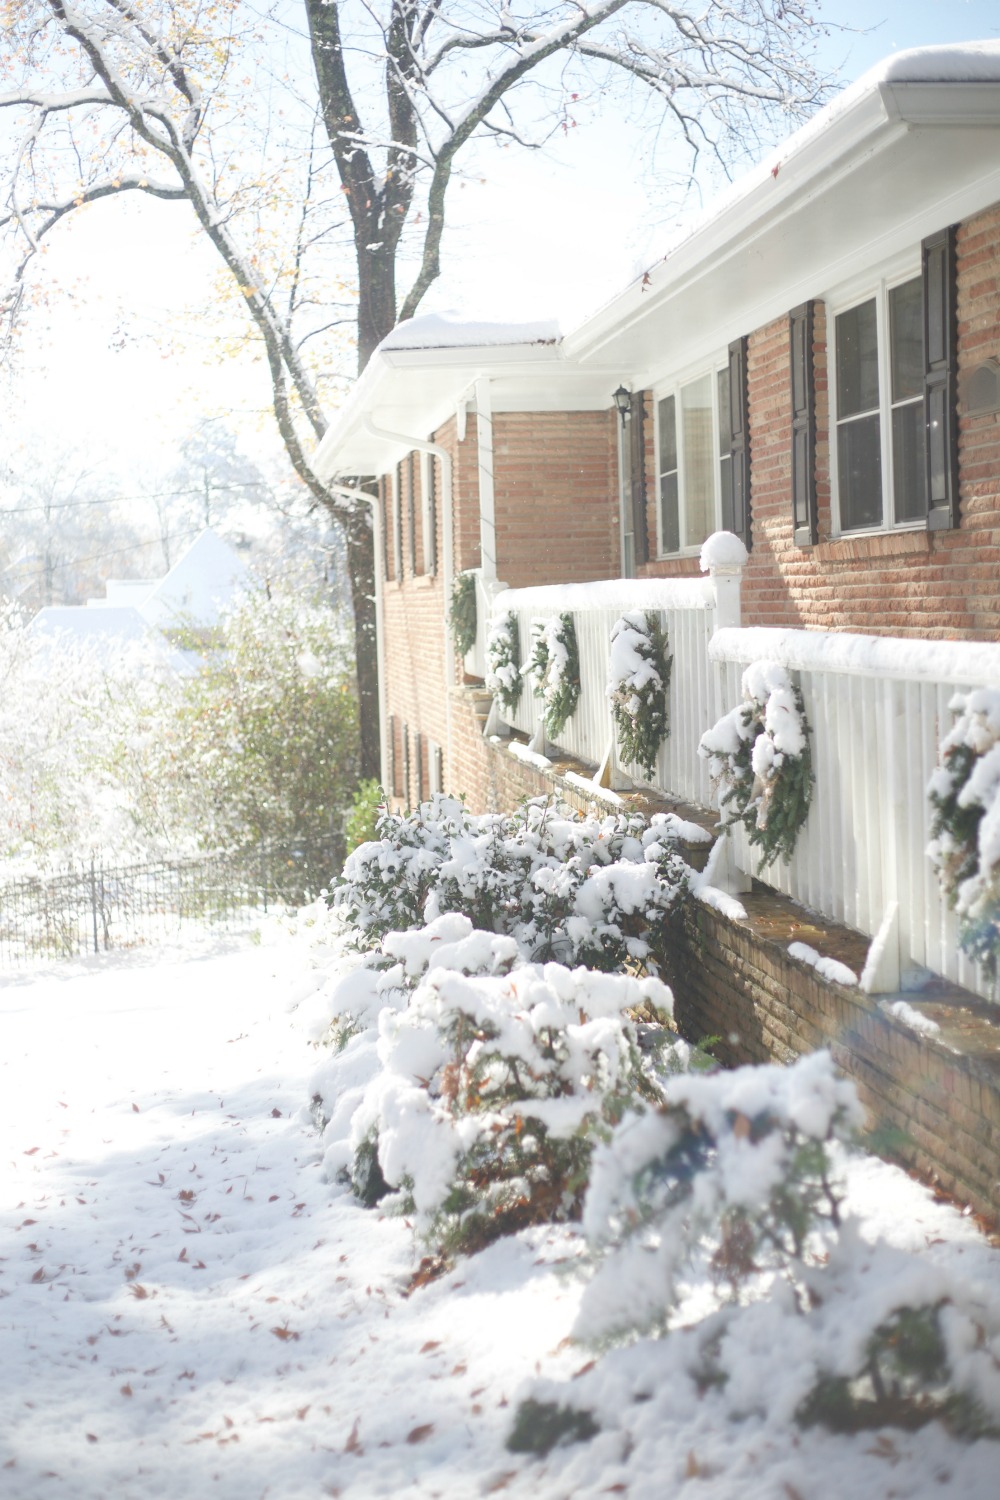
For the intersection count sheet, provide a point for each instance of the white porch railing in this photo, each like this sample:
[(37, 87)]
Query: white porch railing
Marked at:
[(878, 709), (691, 610)]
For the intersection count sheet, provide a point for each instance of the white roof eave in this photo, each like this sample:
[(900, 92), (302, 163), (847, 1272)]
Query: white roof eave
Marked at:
[(414, 391), (875, 128)]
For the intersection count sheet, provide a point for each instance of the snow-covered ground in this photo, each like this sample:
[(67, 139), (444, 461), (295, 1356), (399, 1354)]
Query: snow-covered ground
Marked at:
[(187, 1309)]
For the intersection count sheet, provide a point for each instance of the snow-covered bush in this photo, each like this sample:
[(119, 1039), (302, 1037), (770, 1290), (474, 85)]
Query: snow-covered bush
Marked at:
[(597, 891), (760, 760), (639, 688), (503, 661), (732, 1173), (554, 669), (496, 1079), (462, 619), (964, 794)]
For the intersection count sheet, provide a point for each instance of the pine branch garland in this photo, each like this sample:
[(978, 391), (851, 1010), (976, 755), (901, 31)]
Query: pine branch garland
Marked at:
[(503, 661), (639, 689), (462, 618), (554, 668)]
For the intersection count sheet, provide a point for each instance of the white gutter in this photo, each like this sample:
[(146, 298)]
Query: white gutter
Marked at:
[(422, 445), (351, 493)]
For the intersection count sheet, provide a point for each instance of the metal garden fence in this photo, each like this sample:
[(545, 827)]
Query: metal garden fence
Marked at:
[(95, 907)]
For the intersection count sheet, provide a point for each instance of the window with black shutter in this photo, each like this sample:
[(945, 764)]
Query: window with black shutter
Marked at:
[(893, 384), (801, 321)]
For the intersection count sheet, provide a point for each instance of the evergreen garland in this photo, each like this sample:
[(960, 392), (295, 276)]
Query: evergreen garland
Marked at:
[(503, 662), (555, 670), (639, 688), (462, 612), (964, 794), (761, 761)]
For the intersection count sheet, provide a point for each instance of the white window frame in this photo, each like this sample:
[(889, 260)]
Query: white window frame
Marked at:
[(875, 286), (712, 367)]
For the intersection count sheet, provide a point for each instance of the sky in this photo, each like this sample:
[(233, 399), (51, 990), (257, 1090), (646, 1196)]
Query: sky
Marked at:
[(548, 234)]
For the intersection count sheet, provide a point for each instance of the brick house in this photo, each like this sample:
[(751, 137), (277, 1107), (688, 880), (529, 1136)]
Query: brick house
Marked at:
[(815, 367)]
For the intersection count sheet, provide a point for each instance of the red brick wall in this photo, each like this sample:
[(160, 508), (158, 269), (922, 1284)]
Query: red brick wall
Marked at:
[(913, 583), (556, 487)]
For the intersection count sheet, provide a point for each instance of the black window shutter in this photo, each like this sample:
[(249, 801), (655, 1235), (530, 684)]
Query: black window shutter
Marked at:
[(739, 443), (637, 476), (397, 523), (941, 378), (801, 321), (407, 767), (391, 769), (430, 511), (383, 492), (411, 511), (438, 768), (420, 748)]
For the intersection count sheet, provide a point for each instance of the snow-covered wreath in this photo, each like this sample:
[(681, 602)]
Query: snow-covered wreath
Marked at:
[(760, 761), (503, 662), (639, 687), (554, 668), (462, 612), (964, 793)]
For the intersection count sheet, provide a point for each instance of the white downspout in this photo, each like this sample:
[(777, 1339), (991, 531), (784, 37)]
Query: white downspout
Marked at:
[(422, 445), (487, 508), (351, 493)]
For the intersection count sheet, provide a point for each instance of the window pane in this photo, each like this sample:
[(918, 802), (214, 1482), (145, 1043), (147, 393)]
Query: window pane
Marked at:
[(668, 435), (725, 424), (906, 325), (908, 462), (669, 520), (699, 477), (857, 360), (859, 456)]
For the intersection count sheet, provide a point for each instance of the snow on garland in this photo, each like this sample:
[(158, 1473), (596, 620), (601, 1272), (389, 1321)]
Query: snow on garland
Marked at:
[(759, 758), (964, 793), (554, 668), (639, 686), (462, 612), (503, 661)]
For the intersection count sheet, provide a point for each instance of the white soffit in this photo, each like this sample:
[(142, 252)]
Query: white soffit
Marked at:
[(415, 391)]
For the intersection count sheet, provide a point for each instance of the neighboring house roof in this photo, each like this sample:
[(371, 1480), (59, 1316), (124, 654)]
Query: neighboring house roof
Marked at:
[(911, 146), (198, 586), (193, 594)]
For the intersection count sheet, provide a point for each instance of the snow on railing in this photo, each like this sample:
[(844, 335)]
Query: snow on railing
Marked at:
[(878, 709), (691, 610)]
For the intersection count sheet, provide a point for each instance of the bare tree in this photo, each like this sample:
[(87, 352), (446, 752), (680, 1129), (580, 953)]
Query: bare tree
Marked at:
[(163, 98)]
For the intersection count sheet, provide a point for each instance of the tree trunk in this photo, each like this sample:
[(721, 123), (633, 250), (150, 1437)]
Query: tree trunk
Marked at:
[(376, 299), (361, 568)]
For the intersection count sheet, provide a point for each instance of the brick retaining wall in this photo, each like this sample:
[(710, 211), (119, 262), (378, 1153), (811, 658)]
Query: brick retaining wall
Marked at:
[(932, 1100)]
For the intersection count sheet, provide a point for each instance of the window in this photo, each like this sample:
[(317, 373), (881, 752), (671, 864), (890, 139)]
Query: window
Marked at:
[(879, 420), (701, 456)]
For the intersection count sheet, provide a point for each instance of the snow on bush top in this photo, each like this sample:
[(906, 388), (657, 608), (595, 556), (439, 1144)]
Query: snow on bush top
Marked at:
[(582, 890)]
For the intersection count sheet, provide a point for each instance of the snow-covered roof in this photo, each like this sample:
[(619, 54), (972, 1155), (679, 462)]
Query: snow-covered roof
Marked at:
[(123, 622), (911, 146), (449, 330), (198, 585)]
